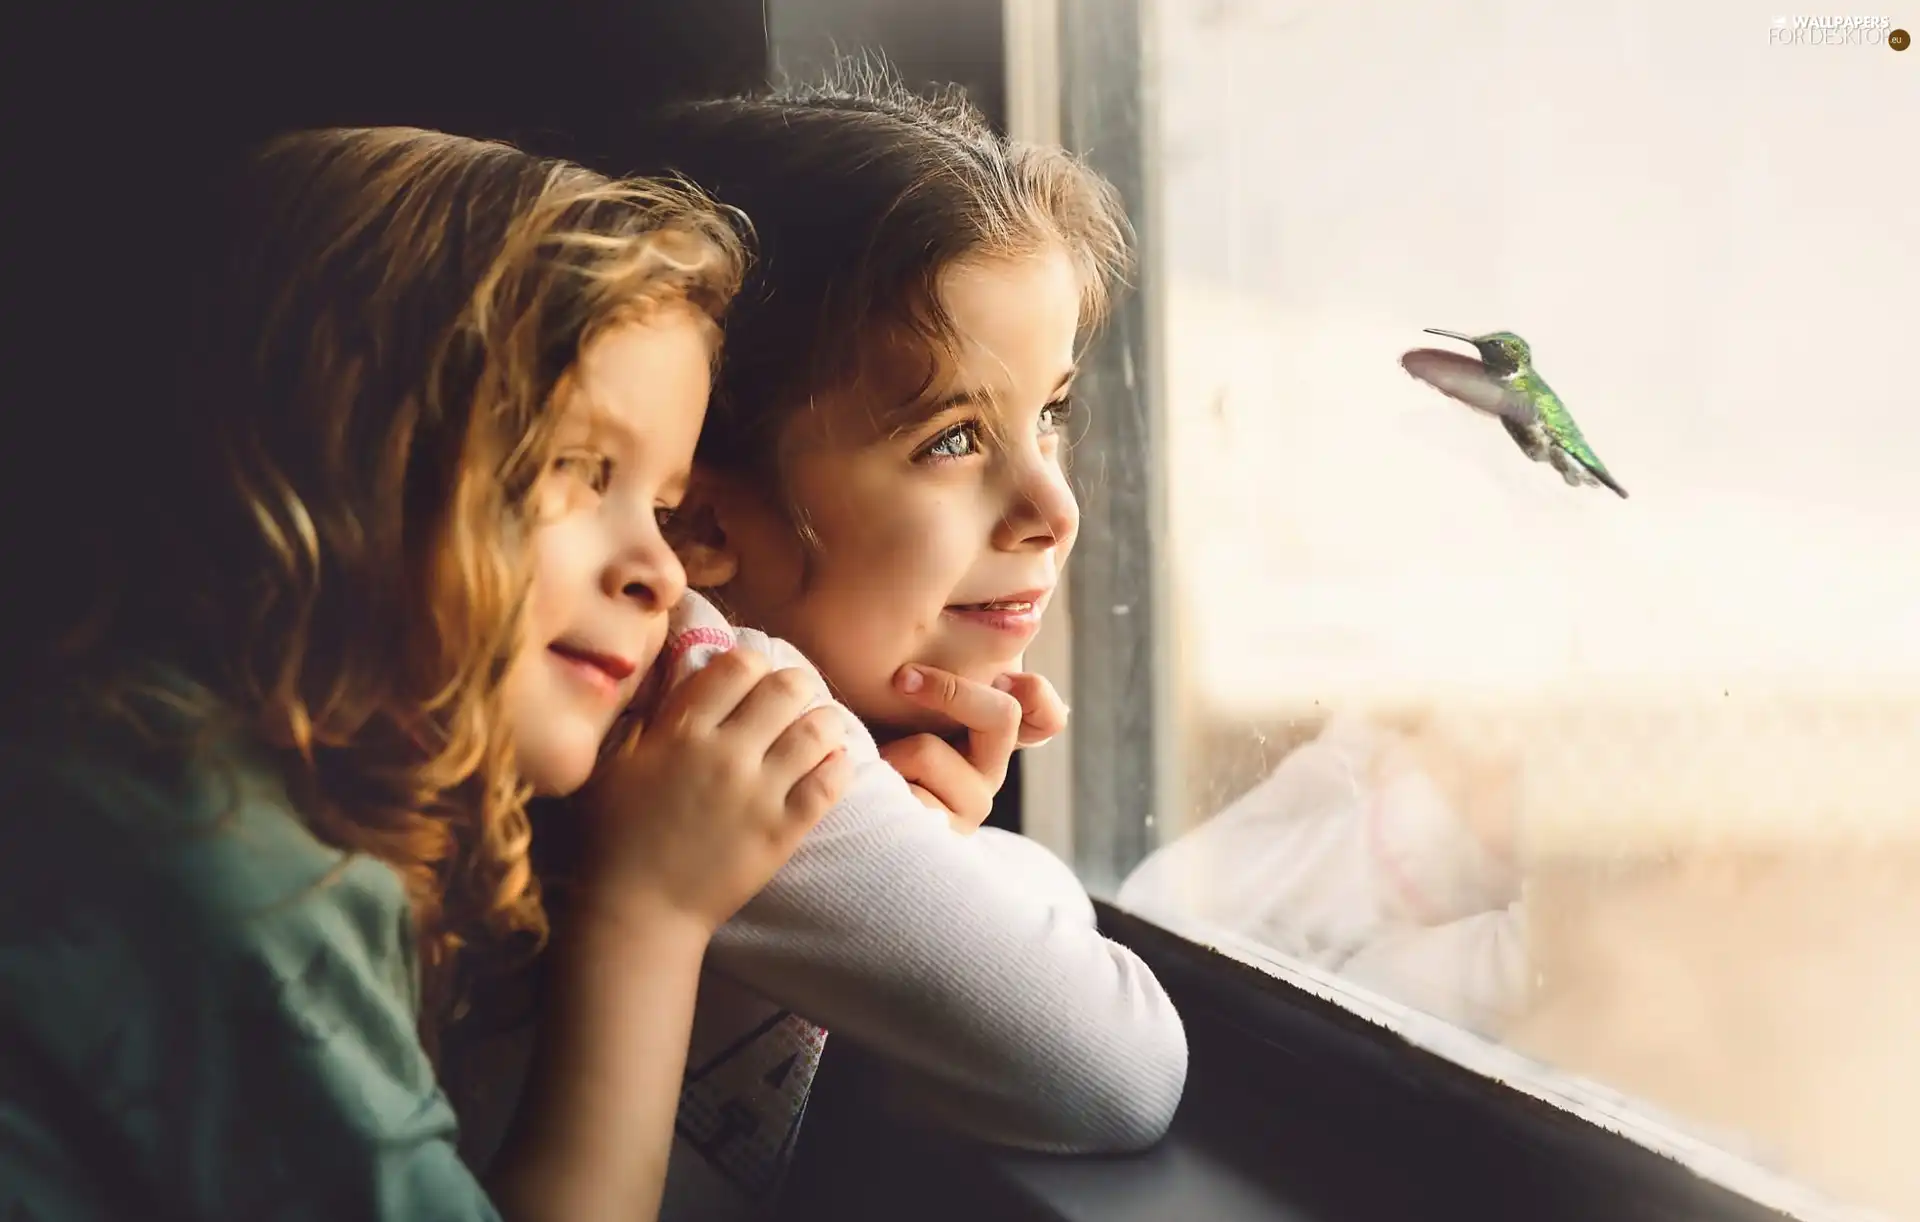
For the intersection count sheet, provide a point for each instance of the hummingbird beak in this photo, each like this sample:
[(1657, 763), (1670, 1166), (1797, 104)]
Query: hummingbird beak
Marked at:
[(1466, 339)]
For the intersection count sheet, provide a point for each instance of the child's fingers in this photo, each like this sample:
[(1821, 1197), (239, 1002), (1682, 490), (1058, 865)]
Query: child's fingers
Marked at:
[(1042, 713), (814, 794), (928, 800), (773, 705), (802, 745), (943, 778), (711, 694), (966, 827), (991, 717)]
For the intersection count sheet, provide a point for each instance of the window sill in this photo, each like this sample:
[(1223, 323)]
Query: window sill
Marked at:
[(1296, 1109)]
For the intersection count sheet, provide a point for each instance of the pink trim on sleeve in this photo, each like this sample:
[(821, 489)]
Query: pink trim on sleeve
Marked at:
[(692, 638)]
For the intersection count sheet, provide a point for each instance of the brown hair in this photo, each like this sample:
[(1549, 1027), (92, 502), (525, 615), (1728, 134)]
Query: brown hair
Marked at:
[(862, 195), (331, 552)]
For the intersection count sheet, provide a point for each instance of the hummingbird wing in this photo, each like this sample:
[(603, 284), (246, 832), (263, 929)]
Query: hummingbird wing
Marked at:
[(1465, 379)]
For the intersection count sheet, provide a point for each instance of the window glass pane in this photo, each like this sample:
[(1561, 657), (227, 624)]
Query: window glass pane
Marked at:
[(1627, 785)]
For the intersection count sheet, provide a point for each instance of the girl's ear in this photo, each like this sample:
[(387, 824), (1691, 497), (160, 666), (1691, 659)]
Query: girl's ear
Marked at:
[(699, 537)]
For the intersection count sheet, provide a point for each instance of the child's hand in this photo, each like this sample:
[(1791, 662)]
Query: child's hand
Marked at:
[(695, 810), (1020, 710)]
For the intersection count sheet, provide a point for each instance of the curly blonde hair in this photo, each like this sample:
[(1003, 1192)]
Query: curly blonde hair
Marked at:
[(371, 388)]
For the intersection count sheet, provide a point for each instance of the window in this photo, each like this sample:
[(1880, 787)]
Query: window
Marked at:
[(1611, 798)]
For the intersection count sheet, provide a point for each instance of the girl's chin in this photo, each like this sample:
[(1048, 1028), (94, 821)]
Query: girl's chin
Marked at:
[(557, 779)]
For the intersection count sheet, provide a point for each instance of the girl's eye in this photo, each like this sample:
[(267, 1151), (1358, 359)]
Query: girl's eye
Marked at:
[(1055, 414), (593, 470), (960, 441), (664, 515)]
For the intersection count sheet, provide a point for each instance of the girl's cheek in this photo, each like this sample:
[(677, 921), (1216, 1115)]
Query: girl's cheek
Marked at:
[(562, 566)]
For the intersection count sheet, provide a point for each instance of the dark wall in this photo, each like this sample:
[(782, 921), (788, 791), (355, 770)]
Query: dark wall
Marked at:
[(204, 74), (118, 112), (123, 108), (958, 42)]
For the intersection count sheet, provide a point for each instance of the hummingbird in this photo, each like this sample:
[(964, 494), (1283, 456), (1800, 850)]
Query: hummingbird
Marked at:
[(1503, 383)]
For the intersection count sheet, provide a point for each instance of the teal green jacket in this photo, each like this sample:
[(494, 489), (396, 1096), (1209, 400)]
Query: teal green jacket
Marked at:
[(205, 1013)]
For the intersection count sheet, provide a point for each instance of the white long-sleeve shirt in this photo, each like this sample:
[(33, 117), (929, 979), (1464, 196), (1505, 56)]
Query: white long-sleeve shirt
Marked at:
[(1350, 857), (969, 967)]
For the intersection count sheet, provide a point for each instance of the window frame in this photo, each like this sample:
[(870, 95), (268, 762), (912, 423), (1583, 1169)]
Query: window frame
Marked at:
[(1078, 75)]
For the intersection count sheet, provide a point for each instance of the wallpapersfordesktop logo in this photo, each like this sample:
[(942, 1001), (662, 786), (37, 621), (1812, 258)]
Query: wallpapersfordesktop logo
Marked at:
[(1812, 31)]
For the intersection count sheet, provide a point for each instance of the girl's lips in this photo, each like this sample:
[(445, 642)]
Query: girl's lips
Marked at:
[(1015, 616), (1017, 600), (606, 673)]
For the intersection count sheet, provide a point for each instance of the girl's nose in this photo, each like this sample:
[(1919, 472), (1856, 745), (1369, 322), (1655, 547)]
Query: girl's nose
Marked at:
[(648, 573), (1044, 513)]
